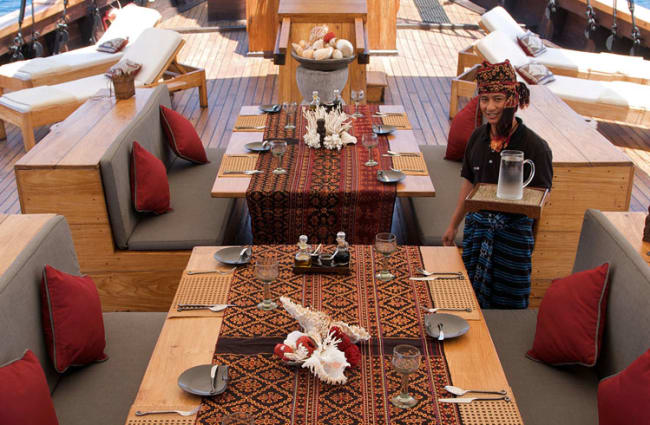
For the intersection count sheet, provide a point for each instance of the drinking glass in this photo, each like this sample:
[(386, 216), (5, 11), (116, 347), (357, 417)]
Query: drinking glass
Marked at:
[(290, 109), (406, 360), (385, 244), (370, 140), (266, 270), (238, 418), (278, 148), (355, 98)]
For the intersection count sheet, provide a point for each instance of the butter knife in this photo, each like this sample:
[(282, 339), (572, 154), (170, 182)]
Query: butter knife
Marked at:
[(256, 127), (248, 172), (435, 278), (466, 400)]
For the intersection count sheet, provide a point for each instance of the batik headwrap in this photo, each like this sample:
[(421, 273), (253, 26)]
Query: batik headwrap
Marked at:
[(499, 78)]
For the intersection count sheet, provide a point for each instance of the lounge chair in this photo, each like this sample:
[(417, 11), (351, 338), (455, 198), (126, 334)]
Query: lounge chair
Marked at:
[(155, 49), (610, 100), (130, 22), (571, 63)]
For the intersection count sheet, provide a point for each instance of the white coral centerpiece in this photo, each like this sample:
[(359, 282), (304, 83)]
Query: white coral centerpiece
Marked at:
[(337, 125), (326, 361)]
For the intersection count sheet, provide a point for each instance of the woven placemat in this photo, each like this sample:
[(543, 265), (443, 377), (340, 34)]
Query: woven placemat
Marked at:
[(237, 163), (201, 289), (400, 121), (248, 122), (454, 293), (499, 412), (411, 165)]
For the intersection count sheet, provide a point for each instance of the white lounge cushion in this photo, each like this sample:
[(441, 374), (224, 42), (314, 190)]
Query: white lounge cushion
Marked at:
[(36, 98), (34, 68), (153, 49), (624, 93), (497, 47), (576, 89), (498, 19), (130, 22), (84, 88)]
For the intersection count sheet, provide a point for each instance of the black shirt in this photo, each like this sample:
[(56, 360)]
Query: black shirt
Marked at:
[(481, 163)]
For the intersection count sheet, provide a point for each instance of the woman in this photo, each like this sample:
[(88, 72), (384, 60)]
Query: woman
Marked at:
[(497, 247)]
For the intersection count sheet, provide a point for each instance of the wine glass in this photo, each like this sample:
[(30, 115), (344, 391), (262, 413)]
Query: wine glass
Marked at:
[(370, 140), (278, 148), (354, 95), (385, 244), (406, 360), (266, 270), (290, 109), (238, 418)]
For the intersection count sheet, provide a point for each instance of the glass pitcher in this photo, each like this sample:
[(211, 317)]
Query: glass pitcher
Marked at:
[(511, 175)]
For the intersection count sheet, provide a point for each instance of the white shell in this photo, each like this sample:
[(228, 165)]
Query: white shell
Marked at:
[(302, 43), (318, 44), (345, 47), (337, 54), (332, 42), (347, 138), (298, 48), (308, 53), (291, 339), (317, 32), (324, 53)]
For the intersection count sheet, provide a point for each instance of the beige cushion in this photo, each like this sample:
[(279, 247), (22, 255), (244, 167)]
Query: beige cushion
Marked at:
[(153, 49), (498, 19), (624, 93), (84, 88), (36, 98), (497, 47), (570, 88), (37, 67), (131, 21)]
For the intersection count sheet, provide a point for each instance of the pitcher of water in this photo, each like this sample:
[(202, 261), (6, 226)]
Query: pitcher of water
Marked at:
[(511, 175)]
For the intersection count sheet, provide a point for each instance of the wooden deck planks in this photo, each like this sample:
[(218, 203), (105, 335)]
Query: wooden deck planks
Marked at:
[(419, 78)]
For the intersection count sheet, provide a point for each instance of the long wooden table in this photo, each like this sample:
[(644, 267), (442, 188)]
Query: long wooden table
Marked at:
[(400, 141), (185, 342), (631, 225)]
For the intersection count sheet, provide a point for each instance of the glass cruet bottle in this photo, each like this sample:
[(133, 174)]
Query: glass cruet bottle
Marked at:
[(303, 256), (341, 256)]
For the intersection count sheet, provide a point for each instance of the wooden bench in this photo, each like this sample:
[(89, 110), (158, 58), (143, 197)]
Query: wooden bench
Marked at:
[(376, 83)]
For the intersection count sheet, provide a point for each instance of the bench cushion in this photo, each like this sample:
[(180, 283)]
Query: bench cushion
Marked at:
[(545, 394), (102, 393), (130, 21), (432, 215), (20, 301), (496, 47), (196, 218), (498, 19), (153, 49)]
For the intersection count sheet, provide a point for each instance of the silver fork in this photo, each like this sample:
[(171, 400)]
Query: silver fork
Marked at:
[(428, 273), (433, 310), (157, 412)]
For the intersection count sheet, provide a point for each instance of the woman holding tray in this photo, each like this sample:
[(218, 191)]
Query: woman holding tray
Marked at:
[(497, 247)]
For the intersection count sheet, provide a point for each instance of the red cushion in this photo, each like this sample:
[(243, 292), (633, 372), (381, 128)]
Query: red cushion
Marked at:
[(182, 136), (24, 395), (624, 398), (571, 319), (149, 185), (72, 319), (462, 127)]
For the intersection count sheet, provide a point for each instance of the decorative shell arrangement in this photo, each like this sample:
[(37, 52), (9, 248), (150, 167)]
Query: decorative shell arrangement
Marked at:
[(323, 44), (326, 347), (336, 126)]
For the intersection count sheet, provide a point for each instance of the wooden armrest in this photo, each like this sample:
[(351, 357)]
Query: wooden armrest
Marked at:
[(470, 74), (361, 39), (282, 42)]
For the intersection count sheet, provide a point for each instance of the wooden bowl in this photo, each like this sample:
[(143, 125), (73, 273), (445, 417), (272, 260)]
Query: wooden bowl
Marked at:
[(324, 64)]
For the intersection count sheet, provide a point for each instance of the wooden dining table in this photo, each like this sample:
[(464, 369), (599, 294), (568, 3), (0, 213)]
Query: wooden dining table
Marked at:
[(187, 341), (400, 141)]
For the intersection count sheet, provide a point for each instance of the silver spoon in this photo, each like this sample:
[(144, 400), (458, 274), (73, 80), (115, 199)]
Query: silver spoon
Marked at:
[(433, 310), (428, 273), (157, 412), (460, 391), (246, 252)]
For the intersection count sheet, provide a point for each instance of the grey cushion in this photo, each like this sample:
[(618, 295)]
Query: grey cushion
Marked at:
[(432, 215), (102, 393), (627, 326), (196, 219), (546, 395), (115, 163), (20, 297)]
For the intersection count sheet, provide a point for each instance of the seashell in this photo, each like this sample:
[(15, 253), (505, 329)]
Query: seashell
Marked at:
[(308, 53), (332, 42), (319, 31), (337, 54), (345, 47), (318, 44), (303, 44), (298, 48), (324, 53)]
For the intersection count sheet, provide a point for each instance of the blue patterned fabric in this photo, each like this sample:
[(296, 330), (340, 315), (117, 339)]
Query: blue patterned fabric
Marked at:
[(497, 251)]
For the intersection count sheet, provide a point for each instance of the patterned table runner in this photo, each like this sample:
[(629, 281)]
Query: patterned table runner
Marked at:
[(324, 191), (391, 312)]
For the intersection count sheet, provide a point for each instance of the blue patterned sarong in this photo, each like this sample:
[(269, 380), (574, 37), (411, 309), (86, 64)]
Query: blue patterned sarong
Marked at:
[(497, 251)]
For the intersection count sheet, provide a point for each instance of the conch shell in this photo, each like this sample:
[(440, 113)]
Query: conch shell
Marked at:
[(337, 54), (308, 53), (324, 53), (318, 44), (317, 32), (345, 47)]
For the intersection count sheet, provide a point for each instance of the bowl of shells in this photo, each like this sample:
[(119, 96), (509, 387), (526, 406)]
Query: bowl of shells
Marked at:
[(323, 51)]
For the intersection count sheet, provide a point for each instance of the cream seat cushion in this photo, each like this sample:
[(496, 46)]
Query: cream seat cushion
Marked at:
[(576, 89), (498, 19), (84, 88), (36, 98), (624, 93), (497, 47), (153, 49), (130, 22)]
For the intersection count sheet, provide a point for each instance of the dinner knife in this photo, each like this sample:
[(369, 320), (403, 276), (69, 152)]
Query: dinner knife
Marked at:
[(435, 278), (466, 400)]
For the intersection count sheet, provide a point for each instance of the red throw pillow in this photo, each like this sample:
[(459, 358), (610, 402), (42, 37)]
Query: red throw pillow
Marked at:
[(571, 319), (462, 127), (149, 185), (72, 319), (624, 398), (24, 395), (182, 136)]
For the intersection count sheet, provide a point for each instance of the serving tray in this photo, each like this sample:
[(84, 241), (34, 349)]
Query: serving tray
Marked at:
[(484, 197)]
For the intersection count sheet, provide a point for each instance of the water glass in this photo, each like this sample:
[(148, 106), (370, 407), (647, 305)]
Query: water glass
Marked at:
[(278, 148), (267, 270), (370, 140), (238, 418), (354, 94), (385, 244), (406, 360), (511, 175), (290, 110)]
